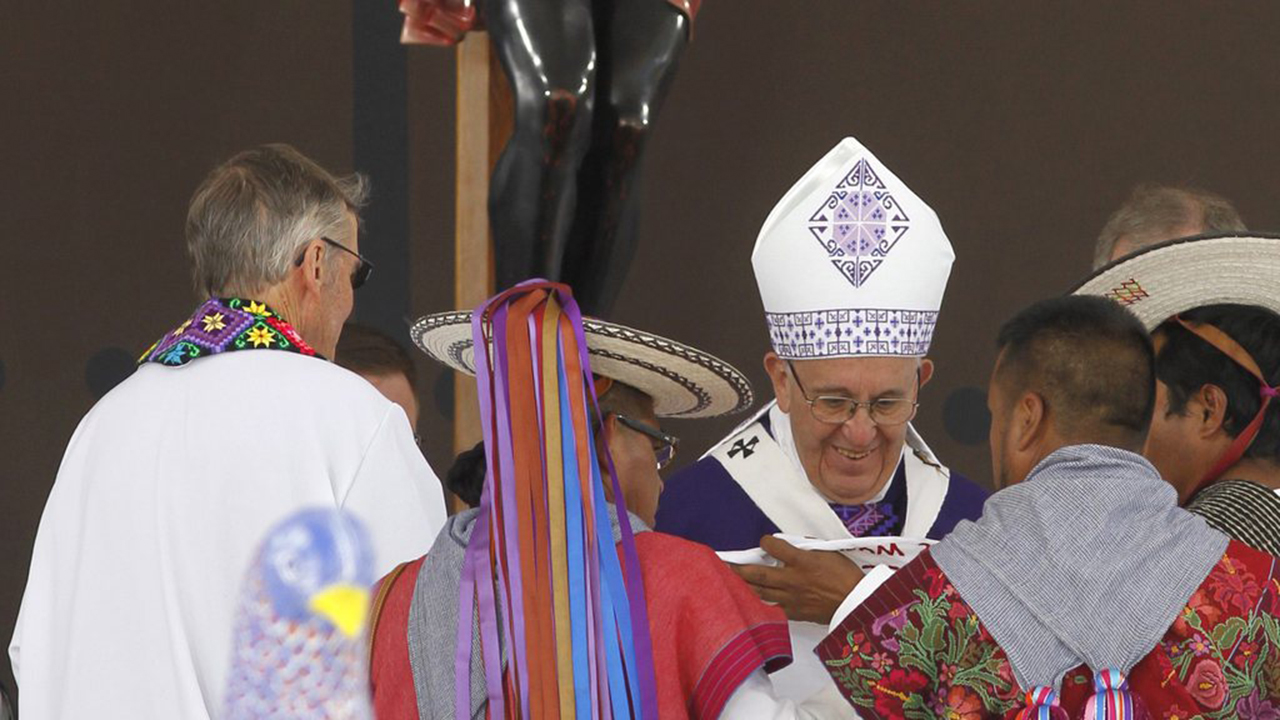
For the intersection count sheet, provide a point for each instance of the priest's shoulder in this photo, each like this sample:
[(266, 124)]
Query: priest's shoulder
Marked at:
[(703, 503), (283, 381), (964, 501)]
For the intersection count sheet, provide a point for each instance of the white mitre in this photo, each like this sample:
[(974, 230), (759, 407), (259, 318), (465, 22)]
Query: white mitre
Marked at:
[(851, 263)]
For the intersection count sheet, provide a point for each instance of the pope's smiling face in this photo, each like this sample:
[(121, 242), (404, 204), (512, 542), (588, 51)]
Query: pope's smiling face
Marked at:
[(850, 462)]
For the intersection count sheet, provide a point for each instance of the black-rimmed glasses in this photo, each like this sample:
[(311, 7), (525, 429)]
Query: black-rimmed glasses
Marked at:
[(362, 272), (664, 445), (839, 409)]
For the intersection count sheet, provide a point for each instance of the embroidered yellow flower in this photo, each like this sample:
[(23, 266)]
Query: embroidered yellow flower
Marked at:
[(260, 336), (214, 321), (258, 308)]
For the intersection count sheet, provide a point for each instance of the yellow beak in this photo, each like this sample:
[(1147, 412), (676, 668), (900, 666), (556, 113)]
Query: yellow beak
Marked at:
[(346, 606)]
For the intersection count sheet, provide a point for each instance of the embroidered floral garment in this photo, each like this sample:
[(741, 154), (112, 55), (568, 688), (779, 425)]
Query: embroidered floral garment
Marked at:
[(915, 649), (226, 325)]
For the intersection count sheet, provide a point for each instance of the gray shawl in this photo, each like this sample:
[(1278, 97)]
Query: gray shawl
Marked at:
[(1089, 560), (433, 620)]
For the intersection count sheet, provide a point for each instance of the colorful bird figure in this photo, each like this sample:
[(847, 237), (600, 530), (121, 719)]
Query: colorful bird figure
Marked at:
[(299, 648)]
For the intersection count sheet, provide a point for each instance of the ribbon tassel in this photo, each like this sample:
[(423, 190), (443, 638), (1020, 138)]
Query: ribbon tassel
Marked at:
[(541, 568)]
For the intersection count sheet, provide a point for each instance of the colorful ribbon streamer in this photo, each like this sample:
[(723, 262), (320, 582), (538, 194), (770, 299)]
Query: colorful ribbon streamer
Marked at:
[(542, 561)]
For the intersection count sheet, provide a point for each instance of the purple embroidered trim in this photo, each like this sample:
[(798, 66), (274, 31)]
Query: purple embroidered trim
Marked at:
[(868, 520), (225, 325), (859, 223), (843, 333)]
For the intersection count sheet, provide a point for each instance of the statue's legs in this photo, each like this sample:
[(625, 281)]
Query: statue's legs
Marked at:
[(640, 45), (547, 48)]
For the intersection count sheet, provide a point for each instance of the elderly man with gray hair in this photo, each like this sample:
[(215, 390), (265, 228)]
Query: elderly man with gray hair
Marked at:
[(233, 421), (1156, 213)]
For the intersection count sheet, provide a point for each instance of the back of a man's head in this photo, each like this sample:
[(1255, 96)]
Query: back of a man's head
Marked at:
[(1187, 363), (370, 352), (1092, 363), (252, 215), (1156, 213), (466, 477)]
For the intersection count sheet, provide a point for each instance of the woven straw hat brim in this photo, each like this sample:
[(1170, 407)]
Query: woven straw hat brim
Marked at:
[(1163, 280), (684, 382)]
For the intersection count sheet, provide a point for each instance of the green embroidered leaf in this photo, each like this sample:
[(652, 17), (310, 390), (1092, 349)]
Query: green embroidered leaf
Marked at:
[(1226, 633), (1272, 629), (914, 707), (931, 637), (1182, 663)]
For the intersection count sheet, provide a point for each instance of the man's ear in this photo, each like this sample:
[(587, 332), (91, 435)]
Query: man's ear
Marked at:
[(926, 371), (311, 269), (1030, 421), (1208, 407), (777, 369)]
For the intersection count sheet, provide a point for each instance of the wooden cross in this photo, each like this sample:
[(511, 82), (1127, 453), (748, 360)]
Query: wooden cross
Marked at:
[(484, 117)]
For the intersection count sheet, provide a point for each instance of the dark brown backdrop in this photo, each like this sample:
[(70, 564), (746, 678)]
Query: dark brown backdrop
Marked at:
[(1022, 125)]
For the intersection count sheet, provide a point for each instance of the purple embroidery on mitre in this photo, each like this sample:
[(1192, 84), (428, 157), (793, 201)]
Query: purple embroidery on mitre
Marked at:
[(859, 223), (844, 333), (215, 325)]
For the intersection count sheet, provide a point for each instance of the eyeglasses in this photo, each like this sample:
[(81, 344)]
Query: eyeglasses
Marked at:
[(838, 409), (362, 272), (664, 445)]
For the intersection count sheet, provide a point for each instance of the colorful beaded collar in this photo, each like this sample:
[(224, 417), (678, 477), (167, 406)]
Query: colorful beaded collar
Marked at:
[(227, 325)]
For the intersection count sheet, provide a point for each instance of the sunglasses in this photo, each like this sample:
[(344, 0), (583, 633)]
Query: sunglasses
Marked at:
[(362, 272), (664, 445)]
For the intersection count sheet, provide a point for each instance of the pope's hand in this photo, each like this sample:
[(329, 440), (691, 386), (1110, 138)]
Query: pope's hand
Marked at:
[(809, 584)]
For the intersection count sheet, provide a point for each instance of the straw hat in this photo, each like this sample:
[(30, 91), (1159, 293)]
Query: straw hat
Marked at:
[(684, 382), (1163, 280)]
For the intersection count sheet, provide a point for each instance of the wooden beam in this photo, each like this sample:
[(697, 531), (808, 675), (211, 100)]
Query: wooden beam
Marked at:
[(484, 111)]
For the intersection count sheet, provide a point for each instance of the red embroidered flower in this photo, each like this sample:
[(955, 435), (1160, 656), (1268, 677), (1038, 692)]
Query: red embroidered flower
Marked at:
[(1245, 654), (946, 673), (963, 704), (1207, 685), (881, 662), (1235, 589), (1202, 606), (858, 642), (851, 653), (1271, 597), (892, 691), (937, 581)]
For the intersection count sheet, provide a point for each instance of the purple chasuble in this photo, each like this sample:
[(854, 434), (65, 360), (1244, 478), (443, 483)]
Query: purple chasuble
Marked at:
[(703, 503)]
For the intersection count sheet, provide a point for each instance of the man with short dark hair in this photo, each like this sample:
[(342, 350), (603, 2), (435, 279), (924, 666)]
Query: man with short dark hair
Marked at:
[(378, 358), (1215, 435), (1083, 583), (1155, 213), (233, 421)]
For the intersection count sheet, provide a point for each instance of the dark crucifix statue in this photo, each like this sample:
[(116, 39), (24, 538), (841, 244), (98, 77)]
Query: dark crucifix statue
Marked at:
[(589, 78)]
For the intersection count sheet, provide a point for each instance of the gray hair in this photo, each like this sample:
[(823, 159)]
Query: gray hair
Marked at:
[(252, 215), (1153, 213)]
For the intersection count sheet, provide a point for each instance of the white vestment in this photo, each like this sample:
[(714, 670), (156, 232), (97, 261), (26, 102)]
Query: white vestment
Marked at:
[(164, 493)]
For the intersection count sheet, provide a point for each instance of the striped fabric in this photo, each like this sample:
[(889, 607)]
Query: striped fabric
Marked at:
[(1041, 704), (1112, 699), (1244, 510)]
